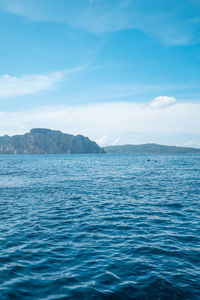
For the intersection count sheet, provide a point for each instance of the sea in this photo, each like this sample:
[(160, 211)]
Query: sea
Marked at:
[(100, 226)]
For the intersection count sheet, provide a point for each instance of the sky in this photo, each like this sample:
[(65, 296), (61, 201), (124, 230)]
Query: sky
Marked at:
[(117, 71)]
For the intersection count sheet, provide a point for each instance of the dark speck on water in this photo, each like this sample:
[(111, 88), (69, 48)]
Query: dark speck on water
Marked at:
[(99, 227)]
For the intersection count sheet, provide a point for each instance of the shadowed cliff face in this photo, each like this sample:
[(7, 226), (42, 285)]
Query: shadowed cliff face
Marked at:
[(42, 140)]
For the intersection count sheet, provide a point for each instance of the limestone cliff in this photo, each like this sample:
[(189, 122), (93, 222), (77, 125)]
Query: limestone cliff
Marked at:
[(40, 140)]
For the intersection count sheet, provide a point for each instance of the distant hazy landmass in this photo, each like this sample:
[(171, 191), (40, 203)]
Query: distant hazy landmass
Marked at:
[(149, 148), (40, 140)]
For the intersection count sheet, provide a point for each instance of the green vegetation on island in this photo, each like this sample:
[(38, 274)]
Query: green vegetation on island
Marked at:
[(149, 148)]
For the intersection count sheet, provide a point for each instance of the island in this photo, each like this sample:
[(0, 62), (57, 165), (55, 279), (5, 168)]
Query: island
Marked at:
[(47, 141), (149, 148)]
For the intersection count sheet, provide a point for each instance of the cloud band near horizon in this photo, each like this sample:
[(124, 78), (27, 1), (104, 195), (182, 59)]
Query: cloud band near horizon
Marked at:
[(110, 123)]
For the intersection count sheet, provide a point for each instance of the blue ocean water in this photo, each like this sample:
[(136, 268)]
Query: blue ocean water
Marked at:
[(99, 227)]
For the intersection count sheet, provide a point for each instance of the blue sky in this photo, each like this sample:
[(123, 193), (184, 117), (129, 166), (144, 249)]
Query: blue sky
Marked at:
[(118, 71)]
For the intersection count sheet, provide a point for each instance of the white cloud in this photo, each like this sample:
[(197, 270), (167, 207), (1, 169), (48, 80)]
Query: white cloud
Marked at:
[(11, 86), (102, 140), (133, 122), (116, 141), (27, 84), (162, 102)]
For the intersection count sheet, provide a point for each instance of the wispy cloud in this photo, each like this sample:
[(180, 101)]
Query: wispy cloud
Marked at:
[(116, 141), (167, 22), (102, 141), (12, 86), (121, 92)]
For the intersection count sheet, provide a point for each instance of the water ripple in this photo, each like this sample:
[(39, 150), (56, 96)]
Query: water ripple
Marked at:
[(99, 227)]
